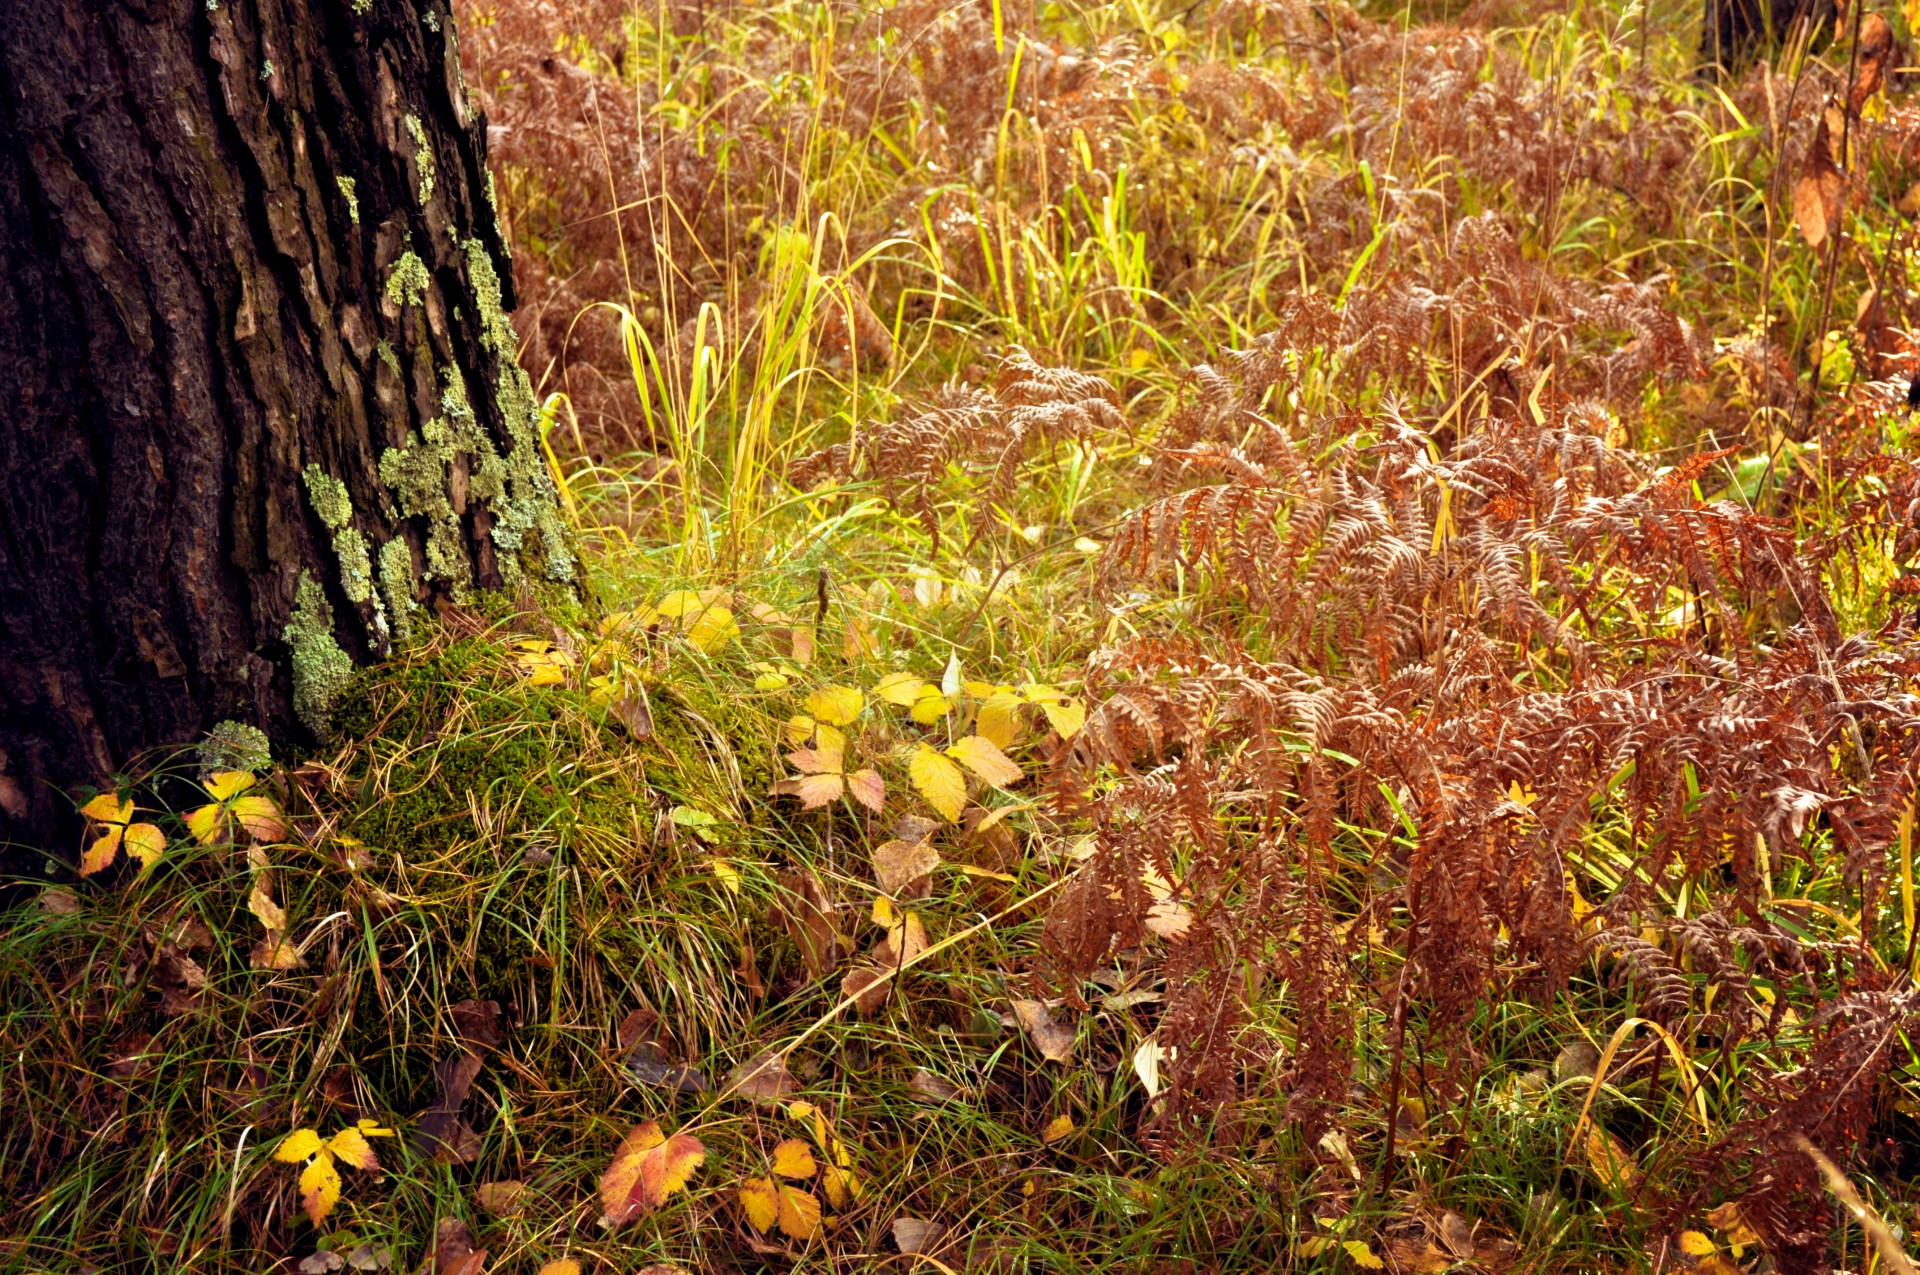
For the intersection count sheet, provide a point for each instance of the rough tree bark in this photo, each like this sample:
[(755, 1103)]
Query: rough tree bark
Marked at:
[(260, 397)]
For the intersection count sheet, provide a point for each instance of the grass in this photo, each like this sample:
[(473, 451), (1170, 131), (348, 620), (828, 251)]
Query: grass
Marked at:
[(479, 831)]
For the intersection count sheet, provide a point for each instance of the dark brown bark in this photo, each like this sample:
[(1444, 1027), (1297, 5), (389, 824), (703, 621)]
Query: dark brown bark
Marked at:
[(237, 241)]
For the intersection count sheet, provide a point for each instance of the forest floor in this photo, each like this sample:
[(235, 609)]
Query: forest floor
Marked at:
[(1242, 637)]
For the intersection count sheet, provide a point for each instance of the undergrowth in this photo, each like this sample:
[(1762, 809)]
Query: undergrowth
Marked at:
[(1259, 636)]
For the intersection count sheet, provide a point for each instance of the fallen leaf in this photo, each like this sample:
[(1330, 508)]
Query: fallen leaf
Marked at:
[(1457, 1234), (1061, 1126), (811, 920), (793, 1158), (275, 952), (769, 1204), (763, 1077), (564, 1266), (899, 689), (1054, 1042), (500, 1199), (836, 705), (916, 1236), (261, 904), (648, 1167), (904, 869), (868, 988), (1727, 1220), (924, 1084), (1146, 1065), (1421, 1256), (841, 1186), (453, 1250), (321, 1262), (1611, 1161), (1695, 1244), (1362, 1255)]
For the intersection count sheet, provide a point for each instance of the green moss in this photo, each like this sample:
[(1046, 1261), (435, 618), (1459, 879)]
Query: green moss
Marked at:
[(422, 156), (346, 185), (408, 282), (321, 670), (386, 353), (396, 583), (235, 745)]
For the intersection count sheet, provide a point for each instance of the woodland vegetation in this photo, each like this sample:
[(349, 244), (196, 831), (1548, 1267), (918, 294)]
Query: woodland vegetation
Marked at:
[(1255, 636)]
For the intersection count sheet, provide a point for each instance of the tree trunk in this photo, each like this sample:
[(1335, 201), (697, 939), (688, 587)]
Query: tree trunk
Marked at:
[(261, 398)]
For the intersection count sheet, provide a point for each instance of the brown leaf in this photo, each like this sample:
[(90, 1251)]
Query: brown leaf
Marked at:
[(1457, 1234), (453, 1251), (763, 1077), (1419, 1256), (649, 1065), (500, 1199), (1875, 50), (810, 918), (904, 869), (477, 1023), (1817, 195), (868, 987), (931, 1087), (915, 1235), (1054, 1042)]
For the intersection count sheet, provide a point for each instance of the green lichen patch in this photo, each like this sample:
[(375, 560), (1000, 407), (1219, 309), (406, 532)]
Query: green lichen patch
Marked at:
[(329, 497), (422, 156), (347, 192), (321, 670), (408, 281), (232, 745), (396, 584)]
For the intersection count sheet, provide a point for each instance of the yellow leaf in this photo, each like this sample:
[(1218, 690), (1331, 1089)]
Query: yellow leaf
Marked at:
[(648, 1167), (103, 851), (1716, 1265), (371, 1128), (1694, 1244), (713, 629), (1611, 1161), (205, 824), (319, 1188), (801, 1110), (794, 1159), (798, 729), (261, 904), (297, 1146), (1041, 693), (1362, 1256), (1066, 718), (980, 755), (939, 781), (841, 1186), (273, 952), (836, 705), (728, 874), (899, 689), (226, 784), (565, 1266), (1061, 1126), (1727, 1220), (351, 1146), (145, 842), (930, 706), (770, 682), (885, 913), (760, 1201), (999, 718), (108, 808), (799, 1213)]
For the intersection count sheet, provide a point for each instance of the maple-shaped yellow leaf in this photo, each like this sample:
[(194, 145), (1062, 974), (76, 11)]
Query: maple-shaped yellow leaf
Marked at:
[(319, 1188), (769, 1204), (899, 689), (648, 1167), (233, 805), (113, 815), (939, 781), (836, 705), (980, 755), (793, 1158)]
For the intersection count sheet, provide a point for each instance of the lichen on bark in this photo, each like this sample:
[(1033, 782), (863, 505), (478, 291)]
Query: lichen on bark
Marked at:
[(321, 670)]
